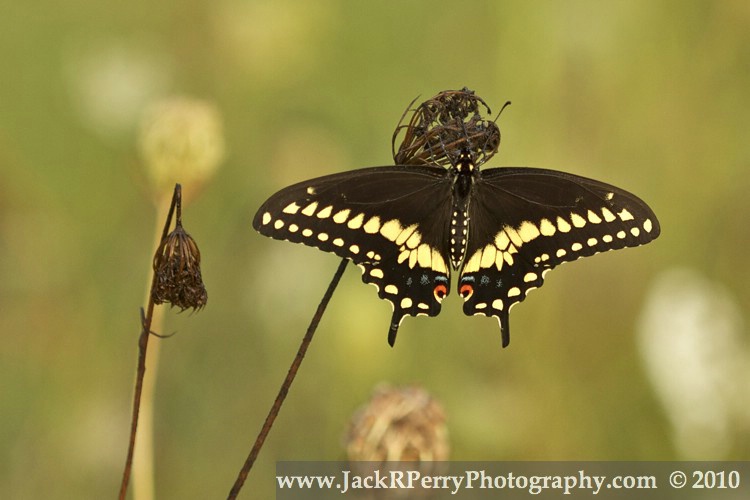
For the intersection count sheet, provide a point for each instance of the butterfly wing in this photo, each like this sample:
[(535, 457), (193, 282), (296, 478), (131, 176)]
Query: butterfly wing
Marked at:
[(390, 221), (525, 221)]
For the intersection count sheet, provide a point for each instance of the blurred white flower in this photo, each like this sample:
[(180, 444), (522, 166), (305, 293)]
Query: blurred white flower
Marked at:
[(691, 344), (111, 83)]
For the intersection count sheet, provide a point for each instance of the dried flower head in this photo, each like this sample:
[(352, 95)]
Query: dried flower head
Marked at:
[(181, 140), (443, 127), (178, 272), (399, 425)]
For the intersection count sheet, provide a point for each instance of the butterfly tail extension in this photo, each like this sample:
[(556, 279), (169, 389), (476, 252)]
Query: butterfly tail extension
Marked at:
[(504, 319), (422, 305), (431, 308), (393, 330), (486, 293), (496, 310)]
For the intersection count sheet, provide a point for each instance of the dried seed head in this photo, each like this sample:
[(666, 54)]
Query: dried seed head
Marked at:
[(181, 140), (399, 424), (445, 126), (178, 272)]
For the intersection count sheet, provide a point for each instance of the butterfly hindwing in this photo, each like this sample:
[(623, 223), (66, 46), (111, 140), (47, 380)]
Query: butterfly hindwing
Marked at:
[(390, 221), (525, 221)]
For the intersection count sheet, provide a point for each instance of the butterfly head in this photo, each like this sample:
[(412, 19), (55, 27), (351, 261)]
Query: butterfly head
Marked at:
[(465, 163)]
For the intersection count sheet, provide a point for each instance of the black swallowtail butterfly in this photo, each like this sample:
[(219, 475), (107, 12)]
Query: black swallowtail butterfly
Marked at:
[(408, 227)]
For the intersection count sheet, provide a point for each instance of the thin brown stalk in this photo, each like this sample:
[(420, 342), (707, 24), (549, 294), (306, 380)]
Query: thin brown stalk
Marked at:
[(274, 411), (146, 319)]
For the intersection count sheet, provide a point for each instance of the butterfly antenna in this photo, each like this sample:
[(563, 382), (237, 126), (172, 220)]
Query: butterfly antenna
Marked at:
[(507, 103), (445, 150), (469, 146), (492, 138)]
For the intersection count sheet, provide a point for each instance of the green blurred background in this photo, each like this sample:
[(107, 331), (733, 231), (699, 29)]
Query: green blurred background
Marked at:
[(649, 96)]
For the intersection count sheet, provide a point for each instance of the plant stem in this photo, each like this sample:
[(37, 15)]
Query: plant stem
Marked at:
[(274, 411), (146, 322)]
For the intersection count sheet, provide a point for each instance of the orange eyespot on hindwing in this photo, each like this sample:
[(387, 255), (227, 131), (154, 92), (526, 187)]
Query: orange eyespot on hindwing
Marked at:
[(466, 290), (440, 292)]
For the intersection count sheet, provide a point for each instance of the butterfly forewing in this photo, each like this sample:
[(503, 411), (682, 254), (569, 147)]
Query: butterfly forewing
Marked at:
[(525, 221), (391, 221)]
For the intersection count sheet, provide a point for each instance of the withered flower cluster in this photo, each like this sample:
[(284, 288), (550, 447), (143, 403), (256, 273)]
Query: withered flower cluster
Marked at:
[(443, 127), (178, 273)]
